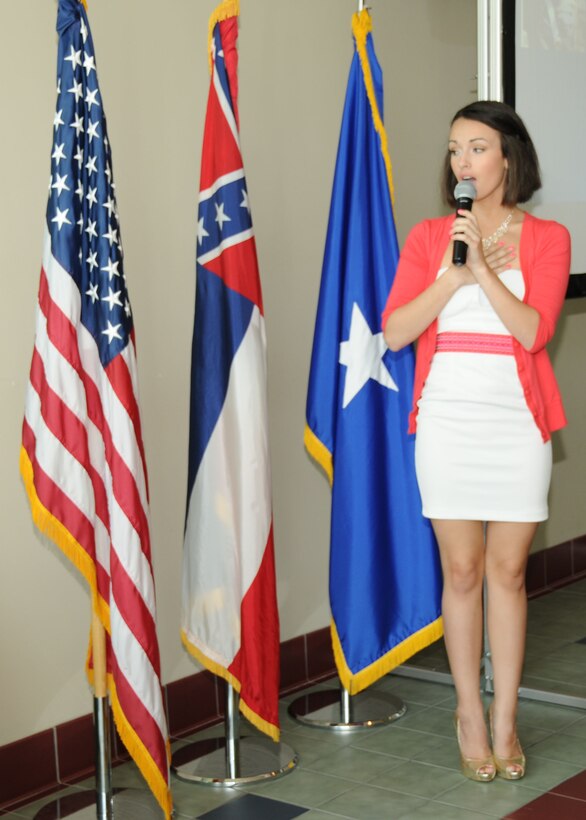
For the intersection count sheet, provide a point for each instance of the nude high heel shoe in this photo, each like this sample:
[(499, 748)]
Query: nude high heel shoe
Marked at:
[(510, 768), (472, 766)]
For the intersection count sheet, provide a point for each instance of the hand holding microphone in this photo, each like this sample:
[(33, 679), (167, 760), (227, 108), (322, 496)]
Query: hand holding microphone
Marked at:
[(464, 194)]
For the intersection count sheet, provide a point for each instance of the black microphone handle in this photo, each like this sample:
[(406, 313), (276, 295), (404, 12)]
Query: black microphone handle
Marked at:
[(459, 253), (461, 248)]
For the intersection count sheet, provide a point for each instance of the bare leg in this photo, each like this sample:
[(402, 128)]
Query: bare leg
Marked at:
[(462, 552), (507, 549)]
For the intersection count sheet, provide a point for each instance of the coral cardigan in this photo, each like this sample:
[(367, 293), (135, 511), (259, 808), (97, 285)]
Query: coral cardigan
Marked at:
[(544, 254)]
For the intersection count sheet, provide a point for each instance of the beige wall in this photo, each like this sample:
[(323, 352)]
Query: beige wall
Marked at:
[(294, 61)]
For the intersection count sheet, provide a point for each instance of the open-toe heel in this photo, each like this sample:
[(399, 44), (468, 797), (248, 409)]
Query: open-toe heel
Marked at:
[(510, 768), (483, 770)]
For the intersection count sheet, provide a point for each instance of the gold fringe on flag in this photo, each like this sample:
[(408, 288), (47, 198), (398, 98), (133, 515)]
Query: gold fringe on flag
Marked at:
[(217, 669), (395, 657), (319, 452), (51, 527), (140, 753)]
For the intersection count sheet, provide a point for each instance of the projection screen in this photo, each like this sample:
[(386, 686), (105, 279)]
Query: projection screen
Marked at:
[(544, 75)]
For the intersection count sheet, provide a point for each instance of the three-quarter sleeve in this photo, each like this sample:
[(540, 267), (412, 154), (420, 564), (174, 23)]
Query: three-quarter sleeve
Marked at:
[(412, 270), (549, 280)]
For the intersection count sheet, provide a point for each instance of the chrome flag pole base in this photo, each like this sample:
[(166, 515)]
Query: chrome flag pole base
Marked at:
[(126, 804), (258, 759), (338, 711), (105, 803), (232, 760)]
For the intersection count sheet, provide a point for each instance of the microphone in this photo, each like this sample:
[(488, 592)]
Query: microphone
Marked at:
[(464, 194)]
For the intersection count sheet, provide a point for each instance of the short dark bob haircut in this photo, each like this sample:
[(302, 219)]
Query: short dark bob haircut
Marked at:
[(523, 176)]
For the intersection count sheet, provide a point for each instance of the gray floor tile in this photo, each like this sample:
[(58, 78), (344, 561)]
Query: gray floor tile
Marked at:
[(416, 691), (315, 744), (537, 646), (335, 739), (439, 811), (358, 765), (404, 743), (370, 803), (577, 729), (542, 774), (553, 669), (564, 630), (530, 735), (563, 748), (445, 755), (433, 721), (193, 799), (449, 702), (417, 779), (316, 814), (495, 799), (546, 716)]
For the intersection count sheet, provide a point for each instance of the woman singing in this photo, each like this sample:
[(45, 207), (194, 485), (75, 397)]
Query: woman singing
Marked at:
[(485, 405)]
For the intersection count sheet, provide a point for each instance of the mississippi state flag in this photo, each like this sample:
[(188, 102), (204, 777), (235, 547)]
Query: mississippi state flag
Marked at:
[(229, 606)]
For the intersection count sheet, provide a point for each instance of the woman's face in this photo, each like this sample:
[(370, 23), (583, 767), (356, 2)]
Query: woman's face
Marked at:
[(476, 154)]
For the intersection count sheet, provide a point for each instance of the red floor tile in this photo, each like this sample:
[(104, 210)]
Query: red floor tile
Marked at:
[(550, 807), (574, 787)]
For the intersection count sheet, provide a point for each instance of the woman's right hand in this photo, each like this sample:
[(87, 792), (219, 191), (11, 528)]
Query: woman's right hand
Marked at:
[(499, 258)]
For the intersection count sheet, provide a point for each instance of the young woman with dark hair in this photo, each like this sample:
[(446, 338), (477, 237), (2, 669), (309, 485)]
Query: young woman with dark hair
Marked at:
[(485, 404)]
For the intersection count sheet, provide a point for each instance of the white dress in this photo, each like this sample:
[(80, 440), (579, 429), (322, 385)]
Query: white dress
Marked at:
[(478, 452)]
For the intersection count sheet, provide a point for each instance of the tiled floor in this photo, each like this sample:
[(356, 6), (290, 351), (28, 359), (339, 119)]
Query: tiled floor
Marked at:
[(409, 769)]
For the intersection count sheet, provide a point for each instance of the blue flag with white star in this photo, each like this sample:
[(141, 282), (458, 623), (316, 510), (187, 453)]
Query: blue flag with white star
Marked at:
[(385, 579)]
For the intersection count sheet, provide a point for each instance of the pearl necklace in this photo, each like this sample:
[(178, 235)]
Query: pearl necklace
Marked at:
[(500, 231)]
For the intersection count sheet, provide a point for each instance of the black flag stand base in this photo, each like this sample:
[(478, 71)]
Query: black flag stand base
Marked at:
[(105, 803), (232, 760), (339, 711)]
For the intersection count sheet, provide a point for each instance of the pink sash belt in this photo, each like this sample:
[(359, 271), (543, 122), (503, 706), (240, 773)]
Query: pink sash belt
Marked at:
[(475, 343)]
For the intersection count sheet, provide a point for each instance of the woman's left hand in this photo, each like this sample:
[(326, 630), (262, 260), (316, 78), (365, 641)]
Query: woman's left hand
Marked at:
[(500, 257)]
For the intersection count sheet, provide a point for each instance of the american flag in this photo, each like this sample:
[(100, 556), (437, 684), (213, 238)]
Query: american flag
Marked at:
[(229, 616), (82, 457)]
